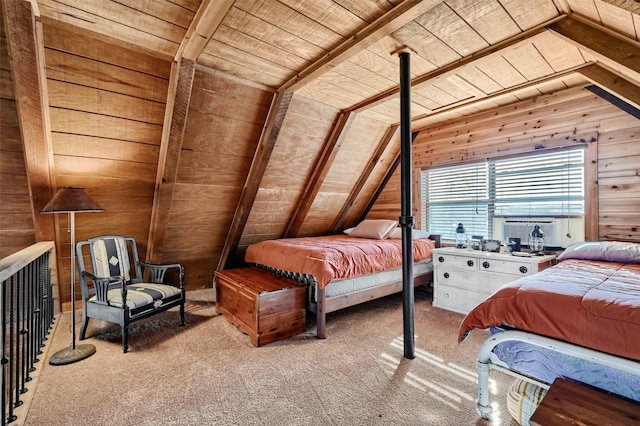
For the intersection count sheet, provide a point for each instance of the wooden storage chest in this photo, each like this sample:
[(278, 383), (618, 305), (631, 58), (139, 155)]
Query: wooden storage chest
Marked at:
[(572, 403), (261, 304)]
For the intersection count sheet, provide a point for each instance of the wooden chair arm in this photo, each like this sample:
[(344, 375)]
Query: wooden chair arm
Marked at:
[(103, 284), (158, 271)]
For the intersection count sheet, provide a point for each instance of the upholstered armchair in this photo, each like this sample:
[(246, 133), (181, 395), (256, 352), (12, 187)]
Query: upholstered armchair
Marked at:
[(115, 289)]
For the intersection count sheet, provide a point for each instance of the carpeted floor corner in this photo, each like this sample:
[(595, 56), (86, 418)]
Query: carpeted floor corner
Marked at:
[(208, 373)]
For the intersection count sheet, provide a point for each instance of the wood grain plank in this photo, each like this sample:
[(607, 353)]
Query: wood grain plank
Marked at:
[(84, 123), (27, 62), (452, 30), (133, 22), (616, 18), (528, 61), (559, 54), (527, 14), (282, 16), (487, 17), (162, 9), (93, 73), (73, 40), (284, 40), (136, 40), (76, 97)]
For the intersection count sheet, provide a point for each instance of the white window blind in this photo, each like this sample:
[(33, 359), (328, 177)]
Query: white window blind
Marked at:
[(458, 195), (544, 184), (540, 185)]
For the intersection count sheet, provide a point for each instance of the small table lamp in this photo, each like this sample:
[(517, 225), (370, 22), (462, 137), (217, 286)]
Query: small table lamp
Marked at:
[(71, 200), (461, 236), (536, 240)]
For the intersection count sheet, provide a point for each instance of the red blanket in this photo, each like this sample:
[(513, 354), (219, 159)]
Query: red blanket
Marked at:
[(589, 303), (334, 257)]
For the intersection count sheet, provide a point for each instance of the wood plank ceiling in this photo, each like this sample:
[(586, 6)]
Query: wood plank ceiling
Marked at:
[(281, 115)]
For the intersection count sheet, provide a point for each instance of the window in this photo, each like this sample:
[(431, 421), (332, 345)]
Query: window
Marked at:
[(545, 184)]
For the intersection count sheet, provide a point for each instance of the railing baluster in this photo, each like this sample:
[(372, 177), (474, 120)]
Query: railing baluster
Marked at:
[(27, 318), (11, 388), (5, 360)]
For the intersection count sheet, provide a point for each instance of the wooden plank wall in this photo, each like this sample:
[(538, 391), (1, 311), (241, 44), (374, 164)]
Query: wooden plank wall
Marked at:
[(572, 116), (361, 139), (16, 222), (107, 109), (304, 132), (619, 179), (224, 122)]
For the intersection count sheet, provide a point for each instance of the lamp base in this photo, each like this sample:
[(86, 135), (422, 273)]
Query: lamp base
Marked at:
[(70, 354)]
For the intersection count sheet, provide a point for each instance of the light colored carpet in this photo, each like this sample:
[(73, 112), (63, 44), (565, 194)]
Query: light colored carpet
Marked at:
[(208, 373)]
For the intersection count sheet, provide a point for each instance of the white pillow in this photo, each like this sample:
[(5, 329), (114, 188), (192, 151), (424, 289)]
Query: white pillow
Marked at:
[(610, 251), (348, 230), (417, 233), (377, 229)]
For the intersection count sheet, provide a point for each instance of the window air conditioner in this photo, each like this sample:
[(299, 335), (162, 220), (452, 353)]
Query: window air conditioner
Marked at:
[(558, 231)]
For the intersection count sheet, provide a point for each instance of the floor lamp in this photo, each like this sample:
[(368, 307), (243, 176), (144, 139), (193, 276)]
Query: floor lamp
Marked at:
[(71, 200)]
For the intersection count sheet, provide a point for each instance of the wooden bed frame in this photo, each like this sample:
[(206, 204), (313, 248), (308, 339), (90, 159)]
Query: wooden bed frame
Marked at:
[(486, 362), (325, 305)]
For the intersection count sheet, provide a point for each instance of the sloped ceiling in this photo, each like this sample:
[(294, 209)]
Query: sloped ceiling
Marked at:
[(313, 90)]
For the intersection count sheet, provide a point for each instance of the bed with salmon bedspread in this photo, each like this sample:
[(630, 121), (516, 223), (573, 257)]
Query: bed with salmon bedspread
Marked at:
[(579, 319), (344, 270)]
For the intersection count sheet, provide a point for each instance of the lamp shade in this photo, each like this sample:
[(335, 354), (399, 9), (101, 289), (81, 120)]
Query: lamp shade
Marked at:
[(71, 199)]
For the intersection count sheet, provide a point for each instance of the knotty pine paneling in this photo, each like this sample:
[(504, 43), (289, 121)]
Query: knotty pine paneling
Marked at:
[(107, 108), (16, 223), (224, 123), (619, 184), (572, 116)]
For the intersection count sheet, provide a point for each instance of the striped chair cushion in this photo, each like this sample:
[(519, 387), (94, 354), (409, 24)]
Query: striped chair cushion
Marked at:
[(111, 258), (522, 400), (141, 295)]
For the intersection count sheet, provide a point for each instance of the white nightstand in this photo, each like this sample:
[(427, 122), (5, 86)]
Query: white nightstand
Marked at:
[(463, 278)]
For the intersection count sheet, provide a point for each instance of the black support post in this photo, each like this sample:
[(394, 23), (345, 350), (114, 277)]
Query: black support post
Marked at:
[(406, 219)]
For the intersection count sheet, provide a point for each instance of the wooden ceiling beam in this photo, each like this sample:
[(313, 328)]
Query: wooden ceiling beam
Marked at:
[(395, 18), (270, 132), (207, 20), (364, 177), (394, 92), (175, 119), (320, 171), (601, 42), (26, 57), (612, 82)]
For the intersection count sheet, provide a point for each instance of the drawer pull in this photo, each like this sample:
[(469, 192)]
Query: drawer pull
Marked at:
[(440, 259), (446, 275), (523, 269), (485, 265), (470, 262), (446, 295)]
